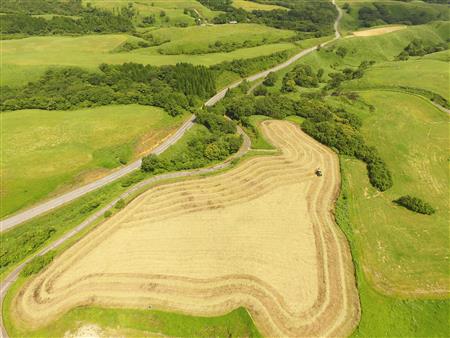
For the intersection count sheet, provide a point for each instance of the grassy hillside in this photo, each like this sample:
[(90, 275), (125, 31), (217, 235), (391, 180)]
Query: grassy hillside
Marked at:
[(424, 73), (44, 151), (412, 136), (27, 59)]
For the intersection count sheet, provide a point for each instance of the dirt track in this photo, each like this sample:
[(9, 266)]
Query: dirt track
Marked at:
[(261, 236)]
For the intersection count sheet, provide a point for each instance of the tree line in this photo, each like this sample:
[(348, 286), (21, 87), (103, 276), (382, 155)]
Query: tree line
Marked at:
[(19, 19), (177, 88), (334, 127)]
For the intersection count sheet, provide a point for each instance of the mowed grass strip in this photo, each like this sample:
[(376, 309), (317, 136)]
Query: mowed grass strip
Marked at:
[(47, 151), (403, 253), (253, 6), (27, 59)]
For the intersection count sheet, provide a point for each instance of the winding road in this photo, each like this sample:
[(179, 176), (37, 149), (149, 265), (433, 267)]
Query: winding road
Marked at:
[(40, 209)]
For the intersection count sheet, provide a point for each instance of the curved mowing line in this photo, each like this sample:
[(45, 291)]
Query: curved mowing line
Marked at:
[(331, 314)]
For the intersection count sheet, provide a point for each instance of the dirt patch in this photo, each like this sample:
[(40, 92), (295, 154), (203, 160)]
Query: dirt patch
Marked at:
[(378, 31), (260, 236)]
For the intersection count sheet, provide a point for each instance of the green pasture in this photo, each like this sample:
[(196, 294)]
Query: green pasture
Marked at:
[(423, 73), (27, 59), (384, 316), (403, 253), (253, 6), (46, 151), (198, 38)]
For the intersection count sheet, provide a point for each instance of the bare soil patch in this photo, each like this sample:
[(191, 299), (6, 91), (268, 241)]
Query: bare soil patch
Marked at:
[(378, 31), (260, 236)]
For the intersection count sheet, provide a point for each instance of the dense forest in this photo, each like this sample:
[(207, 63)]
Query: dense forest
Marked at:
[(306, 17), (71, 18), (176, 88)]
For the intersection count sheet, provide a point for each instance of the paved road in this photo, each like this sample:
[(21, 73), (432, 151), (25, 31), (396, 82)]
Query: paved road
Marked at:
[(12, 277)]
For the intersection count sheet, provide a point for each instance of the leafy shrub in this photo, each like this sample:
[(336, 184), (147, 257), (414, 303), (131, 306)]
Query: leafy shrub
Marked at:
[(120, 204), (107, 214), (415, 204), (37, 264), (270, 79), (89, 207)]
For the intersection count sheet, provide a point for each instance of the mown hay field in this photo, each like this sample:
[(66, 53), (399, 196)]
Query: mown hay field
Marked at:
[(260, 236), (46, 152)]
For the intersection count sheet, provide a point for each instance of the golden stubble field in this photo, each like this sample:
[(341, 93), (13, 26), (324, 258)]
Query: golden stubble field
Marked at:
[(261, 235)]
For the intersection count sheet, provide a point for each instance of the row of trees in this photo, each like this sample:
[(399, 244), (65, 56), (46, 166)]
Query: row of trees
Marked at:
[(176, 88), (94, 21), (246, 67)]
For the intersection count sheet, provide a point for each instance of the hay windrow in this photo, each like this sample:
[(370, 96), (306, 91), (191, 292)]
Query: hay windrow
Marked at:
[(260, 236)]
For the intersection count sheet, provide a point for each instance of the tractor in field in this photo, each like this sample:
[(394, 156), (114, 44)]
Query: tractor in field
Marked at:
[(319, 172)]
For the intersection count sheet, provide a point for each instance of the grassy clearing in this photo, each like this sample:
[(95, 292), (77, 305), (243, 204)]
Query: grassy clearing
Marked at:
[(253, 6), (198, 38), (45, 151), (402, 253), (27, 59)]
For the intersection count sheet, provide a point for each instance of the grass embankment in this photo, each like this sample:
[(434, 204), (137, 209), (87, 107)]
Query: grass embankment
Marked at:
[(48, 151)]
